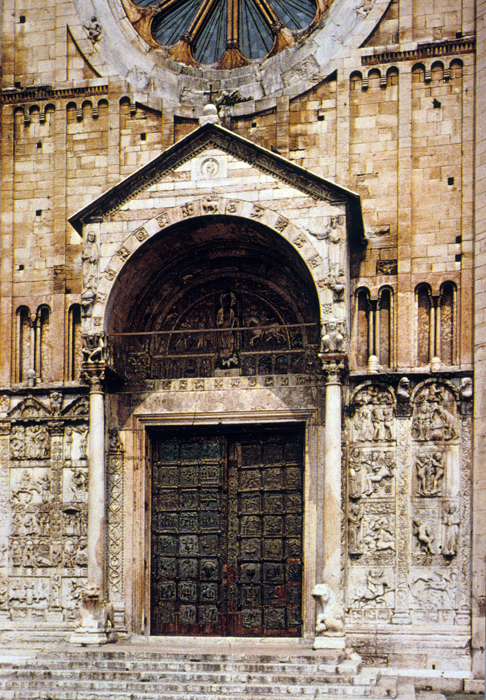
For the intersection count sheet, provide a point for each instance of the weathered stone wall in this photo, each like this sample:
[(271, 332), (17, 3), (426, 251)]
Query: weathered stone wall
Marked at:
[(392, 120)]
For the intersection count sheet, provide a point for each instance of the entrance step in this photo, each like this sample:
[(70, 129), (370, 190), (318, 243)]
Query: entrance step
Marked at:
[(129, 674)]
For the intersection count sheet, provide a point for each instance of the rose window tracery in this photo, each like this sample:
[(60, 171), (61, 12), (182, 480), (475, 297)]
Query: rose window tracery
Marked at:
[(223, 33)]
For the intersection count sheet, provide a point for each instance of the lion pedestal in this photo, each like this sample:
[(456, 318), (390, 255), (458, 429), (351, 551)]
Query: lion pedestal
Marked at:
[(95, 619), (330, 619)]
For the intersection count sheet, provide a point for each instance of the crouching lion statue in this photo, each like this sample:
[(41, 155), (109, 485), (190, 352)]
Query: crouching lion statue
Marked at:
[(95, 619), (330, 614)]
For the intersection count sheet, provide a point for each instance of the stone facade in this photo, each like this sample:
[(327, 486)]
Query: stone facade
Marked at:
[(329, 206)]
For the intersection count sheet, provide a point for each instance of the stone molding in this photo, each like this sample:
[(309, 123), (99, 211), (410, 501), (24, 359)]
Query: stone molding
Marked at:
[(434, 49)]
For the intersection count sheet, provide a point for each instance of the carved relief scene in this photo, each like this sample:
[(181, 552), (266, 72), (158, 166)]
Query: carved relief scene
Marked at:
[(239, 306), (407, 503), (44, 553)]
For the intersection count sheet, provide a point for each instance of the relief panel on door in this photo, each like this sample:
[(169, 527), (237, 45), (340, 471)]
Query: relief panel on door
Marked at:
[(227, 534)]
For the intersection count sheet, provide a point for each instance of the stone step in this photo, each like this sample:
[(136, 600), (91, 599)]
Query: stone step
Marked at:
[(59, 669), (187, 677), (179, 683), (249, 694), (129, 675)]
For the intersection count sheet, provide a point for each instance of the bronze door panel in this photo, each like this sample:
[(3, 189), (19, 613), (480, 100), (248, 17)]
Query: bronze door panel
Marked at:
[(227, 534)]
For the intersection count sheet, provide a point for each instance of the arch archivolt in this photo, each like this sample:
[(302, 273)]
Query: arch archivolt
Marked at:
[(323, 252)]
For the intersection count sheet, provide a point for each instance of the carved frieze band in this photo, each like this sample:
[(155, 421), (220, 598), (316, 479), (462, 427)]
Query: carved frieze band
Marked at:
[(115, 517)]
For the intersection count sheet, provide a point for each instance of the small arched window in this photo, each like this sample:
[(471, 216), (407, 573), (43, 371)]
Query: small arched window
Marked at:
[(43, 356), (424, 319), (384, 327), (74, 343), (362, 327), (23, 344), (447, 322)]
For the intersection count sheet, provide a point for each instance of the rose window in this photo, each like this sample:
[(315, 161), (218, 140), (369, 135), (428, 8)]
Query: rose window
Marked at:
[(223, 33)]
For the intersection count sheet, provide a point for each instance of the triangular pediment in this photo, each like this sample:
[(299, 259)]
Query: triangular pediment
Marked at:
[(30, 408), (214, 137)]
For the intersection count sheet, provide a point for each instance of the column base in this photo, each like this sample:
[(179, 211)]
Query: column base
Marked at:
[(325, 642), (401, 618), (85, 638)]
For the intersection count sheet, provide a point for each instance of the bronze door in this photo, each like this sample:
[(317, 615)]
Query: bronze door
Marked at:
[(227, 533)]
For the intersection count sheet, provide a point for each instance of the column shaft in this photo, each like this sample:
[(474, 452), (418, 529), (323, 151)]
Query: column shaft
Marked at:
[(332, 485), (97, 489)]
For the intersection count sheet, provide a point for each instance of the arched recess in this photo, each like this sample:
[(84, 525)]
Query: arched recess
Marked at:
[(213, 294)]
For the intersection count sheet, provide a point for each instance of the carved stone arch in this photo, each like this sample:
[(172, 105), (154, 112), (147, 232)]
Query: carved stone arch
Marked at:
[(428, 382), (373, 388), (174, 246), (435, 412), (313, 255)]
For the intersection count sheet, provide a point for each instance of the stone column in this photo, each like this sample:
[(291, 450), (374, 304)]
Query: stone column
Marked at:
[(96, 622), (332, 474), (330, 614), (97, 486)]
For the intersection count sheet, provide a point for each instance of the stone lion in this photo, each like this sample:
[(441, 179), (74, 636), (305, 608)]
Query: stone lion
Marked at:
[(94, 614), (330, 614)]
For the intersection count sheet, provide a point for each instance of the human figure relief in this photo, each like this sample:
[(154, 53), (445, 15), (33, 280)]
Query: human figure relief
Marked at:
[(37, 442), (430, 471), (363, 424), (379, 467), (355, 522), (90, 256), (374, 594), (424, 537), (24, 493), (17, 442), (381, 536), (432, 421), (355, 486), (451, 521), (333, 339)]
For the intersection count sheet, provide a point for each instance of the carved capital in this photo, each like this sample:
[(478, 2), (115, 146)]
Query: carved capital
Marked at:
[(56, 427), (334, 367), (4, 427), (94, 375)]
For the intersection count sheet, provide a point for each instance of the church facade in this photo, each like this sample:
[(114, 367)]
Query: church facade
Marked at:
[(241, 319)]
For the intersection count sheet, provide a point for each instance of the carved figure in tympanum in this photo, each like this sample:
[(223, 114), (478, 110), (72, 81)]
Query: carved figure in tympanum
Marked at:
[(434, 416), (374, 420)]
